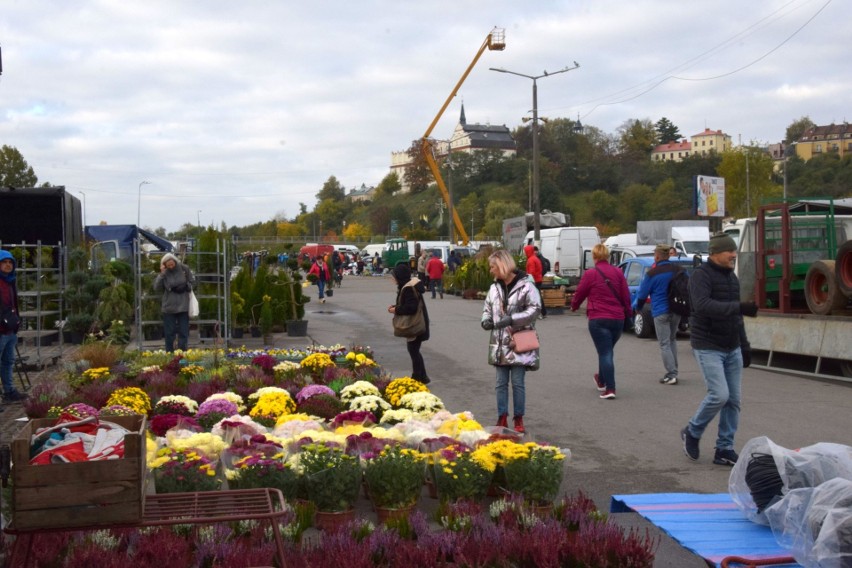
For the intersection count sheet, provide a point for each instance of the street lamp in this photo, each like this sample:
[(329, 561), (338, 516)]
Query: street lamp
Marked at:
[(199, 222), (536, 203), (139, 204)]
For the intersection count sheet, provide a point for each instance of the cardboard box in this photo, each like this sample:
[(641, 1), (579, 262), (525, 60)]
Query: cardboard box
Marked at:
[(79, 494)]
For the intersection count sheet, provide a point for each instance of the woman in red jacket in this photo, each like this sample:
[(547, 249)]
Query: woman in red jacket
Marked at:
[(607, 307), (320, 269)]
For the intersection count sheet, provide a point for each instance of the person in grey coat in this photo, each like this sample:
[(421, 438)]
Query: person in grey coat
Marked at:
[(512, 304), (175, 281)]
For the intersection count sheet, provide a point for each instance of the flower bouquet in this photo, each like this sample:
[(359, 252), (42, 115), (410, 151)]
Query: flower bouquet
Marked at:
[(212, 411), (179, 471), (535, 473), (258, 471), (395, 477), (461, 474), (331, 477)]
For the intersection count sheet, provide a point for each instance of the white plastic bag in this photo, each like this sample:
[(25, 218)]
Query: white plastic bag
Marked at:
[(193, 305)]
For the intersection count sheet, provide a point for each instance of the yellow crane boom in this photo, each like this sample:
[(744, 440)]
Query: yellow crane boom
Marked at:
[(495, 41)]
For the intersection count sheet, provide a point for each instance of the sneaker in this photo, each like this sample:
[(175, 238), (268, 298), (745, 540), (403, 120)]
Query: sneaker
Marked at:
[(725, 457), (667, 380), (608, 394), (599, 383), (14, 396), (690, 444)]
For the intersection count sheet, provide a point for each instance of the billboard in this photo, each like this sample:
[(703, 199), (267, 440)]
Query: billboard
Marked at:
[(709, 196)]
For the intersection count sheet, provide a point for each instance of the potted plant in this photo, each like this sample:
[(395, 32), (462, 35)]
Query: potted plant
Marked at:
[(180, 471), (331, 479), (238, 305), (266, 320), (462, 474), (394, 478), (535, 473), (256, 471)]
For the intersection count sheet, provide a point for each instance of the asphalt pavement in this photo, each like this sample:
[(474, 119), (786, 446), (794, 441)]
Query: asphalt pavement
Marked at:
[(624, 446)]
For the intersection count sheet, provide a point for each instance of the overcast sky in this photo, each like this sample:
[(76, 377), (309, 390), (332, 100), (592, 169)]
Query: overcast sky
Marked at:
[(242, 110)]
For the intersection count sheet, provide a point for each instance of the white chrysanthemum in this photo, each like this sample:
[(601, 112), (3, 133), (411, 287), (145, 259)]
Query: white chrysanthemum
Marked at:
[(396, 415), (358, 389), (373, 403), (424, 403), (294, 428), (190, 404)]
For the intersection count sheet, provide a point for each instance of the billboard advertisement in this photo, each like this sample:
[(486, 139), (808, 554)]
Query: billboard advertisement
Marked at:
[(709, 196)]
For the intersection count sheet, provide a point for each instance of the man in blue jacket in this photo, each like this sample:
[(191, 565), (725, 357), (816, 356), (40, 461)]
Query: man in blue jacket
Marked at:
[(656, 284), (9, 322)]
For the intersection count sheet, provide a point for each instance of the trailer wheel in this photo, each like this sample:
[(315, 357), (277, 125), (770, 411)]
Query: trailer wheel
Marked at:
[(843, 268), (643, 323), (821, 291)]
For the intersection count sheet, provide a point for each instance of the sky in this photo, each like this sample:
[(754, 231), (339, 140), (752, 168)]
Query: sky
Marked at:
[(238, 112)]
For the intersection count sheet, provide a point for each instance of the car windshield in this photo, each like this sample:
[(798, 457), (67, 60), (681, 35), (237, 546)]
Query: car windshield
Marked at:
[(696, 247)]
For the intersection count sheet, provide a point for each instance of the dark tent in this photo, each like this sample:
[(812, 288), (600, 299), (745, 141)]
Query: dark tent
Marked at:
[(124, 235)]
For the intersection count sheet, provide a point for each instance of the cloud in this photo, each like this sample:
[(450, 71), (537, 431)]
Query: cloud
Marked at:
[(242, 110)]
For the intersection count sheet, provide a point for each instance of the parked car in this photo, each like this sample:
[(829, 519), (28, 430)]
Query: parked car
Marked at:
[(635, 269)]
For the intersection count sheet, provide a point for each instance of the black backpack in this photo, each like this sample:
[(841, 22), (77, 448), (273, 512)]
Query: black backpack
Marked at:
[(678, 293), (545, 264)]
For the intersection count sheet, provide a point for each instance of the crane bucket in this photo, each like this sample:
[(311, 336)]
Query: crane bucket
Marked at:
[(497, 39)]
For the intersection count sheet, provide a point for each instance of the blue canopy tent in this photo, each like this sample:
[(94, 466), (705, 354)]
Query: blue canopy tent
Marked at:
[(123, 236)]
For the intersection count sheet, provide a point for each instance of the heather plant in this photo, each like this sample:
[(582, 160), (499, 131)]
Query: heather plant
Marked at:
[(98, 393), (44, 395), (162, 423), (201, 390), (158, 382)]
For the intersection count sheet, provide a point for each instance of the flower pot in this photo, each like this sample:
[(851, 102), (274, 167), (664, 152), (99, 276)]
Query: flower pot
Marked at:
[(255, 331), (386, 514), (542, 510), (332, 521), (297, 328), (237, 333), (268, 339), (432, 489), (329, 292)]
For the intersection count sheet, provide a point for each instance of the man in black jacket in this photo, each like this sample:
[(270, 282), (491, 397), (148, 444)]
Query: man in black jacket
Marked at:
[(720, 346)]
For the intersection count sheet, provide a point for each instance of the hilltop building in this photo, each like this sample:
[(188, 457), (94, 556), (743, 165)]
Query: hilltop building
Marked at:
[(699, 144)]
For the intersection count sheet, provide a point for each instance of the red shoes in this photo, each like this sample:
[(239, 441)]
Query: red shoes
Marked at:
[(503, 421), (519, 424)]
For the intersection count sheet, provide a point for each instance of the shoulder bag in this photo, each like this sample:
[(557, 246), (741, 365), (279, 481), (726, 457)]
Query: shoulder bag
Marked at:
[(410, 325), (525, 340), (628, 319)]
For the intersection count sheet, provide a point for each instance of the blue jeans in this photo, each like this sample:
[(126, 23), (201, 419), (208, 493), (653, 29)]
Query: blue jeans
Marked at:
[(605, 334), (321, 286), (666, 327), (436, 282), (516, 374), (722, 371), (176, 325), (7, 361)]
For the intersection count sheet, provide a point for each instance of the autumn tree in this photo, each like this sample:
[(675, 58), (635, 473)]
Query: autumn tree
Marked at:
[(14, 170), (748, 180), (417, 174), (389, 185), (331, 189)]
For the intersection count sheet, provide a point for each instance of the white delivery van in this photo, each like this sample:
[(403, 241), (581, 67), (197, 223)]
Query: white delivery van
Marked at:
[(564, 247)]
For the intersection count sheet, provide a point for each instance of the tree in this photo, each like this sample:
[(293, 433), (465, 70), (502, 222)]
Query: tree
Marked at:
[(748, 180), (637, 138), (14, 170), (417, 174), (331, 189), (666, 131), (331, 213), (496, 212), (389, 185), (356, 232), (285, 229), (797, 128)]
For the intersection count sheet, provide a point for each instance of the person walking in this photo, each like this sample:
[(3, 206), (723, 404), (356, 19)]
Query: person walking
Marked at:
[(607, 308), (421, 267), (721, 348), (535, 269), (409, 296), (512, 304), (9, 324), (320, 269), (666, 322), (453, 262), (435, 272), (175, 281)]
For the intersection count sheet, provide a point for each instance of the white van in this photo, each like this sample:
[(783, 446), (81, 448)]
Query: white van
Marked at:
[(370, 250), (564, 247)]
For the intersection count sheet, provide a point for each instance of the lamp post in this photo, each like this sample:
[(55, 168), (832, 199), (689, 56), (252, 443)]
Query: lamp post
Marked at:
[(139, 203), (535, 78), (198, 213)]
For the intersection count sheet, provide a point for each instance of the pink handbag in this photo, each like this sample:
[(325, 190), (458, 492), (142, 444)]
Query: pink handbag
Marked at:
[(525, 340)]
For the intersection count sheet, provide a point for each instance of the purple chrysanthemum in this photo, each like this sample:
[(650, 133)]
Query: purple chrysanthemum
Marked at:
[(313, 390)]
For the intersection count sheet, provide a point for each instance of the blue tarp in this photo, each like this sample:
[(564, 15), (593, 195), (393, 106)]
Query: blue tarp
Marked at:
[(711, 526), (125, 234)]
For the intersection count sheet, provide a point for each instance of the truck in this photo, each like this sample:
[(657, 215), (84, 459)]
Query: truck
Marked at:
[(566, 248), (399, 250), (795, 261), (688, 237)]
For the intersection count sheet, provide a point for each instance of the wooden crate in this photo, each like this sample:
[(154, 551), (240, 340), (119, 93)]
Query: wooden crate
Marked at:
[(83, 493), (553, 297)]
